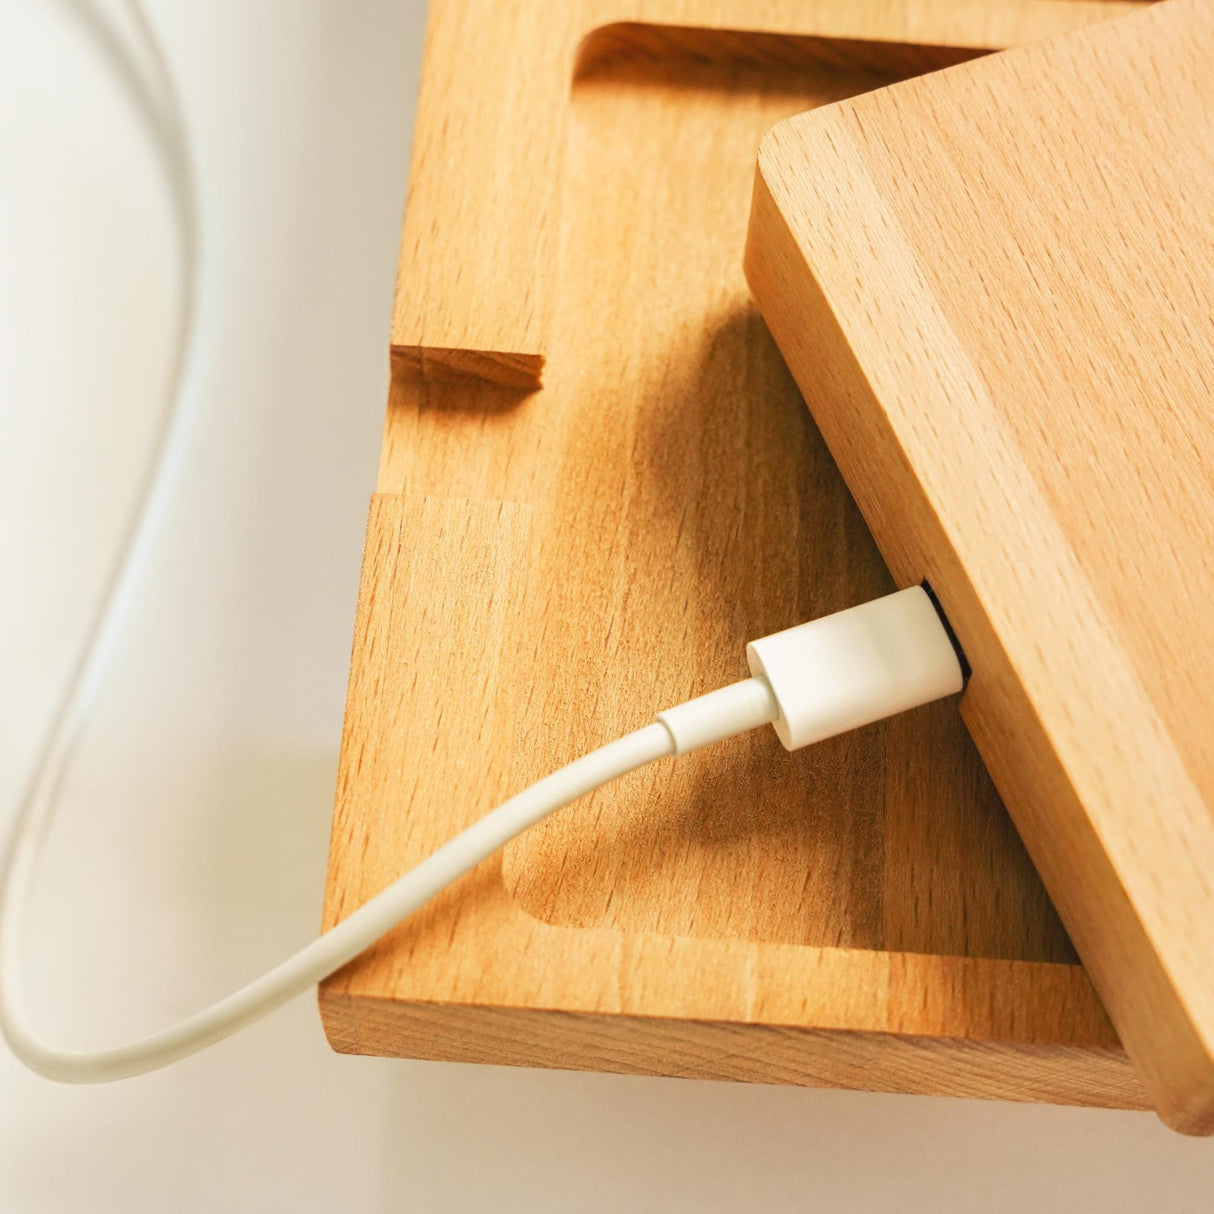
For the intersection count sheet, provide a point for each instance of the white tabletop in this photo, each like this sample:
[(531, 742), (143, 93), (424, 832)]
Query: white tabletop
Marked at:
[(191, 845)]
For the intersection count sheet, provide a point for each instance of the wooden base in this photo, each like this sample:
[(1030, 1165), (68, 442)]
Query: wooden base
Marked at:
[(544, 570)]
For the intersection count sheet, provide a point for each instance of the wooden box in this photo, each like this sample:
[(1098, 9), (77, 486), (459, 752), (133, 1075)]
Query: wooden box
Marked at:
[(546, 567)]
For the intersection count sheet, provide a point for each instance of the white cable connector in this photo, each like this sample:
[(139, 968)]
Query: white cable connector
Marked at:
[(830, 676), (857, 666)]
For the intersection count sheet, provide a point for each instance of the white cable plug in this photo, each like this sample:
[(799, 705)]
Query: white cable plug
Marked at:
[(857, 666), (811, 681), (830, 676)]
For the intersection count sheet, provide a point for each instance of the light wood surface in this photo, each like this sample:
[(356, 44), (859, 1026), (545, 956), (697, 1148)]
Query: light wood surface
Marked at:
[(545, 570), (996, 289), (476, 291)]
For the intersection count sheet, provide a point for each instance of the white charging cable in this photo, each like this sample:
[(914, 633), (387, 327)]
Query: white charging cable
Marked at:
[(812, 681)]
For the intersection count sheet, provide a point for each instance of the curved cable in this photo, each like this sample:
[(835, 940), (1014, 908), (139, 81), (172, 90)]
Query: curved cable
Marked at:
[(345, 941), (811, 681), (742, 706), (158, 107)]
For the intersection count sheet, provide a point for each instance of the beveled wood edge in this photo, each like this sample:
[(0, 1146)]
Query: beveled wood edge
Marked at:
[(1091, 1076), (478, 947)]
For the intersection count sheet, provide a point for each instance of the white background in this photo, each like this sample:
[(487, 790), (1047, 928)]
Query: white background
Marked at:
[(191, 845)]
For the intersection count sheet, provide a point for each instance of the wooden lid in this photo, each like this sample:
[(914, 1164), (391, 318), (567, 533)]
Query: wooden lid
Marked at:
[(995, 287)]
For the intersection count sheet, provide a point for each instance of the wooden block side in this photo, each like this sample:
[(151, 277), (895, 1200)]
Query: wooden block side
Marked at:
[(437, 364), (753, 1053), (476, 248), (861, 294)]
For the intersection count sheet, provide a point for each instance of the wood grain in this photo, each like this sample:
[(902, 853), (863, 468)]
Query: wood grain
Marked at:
[(417, 758), (478, 252), (661, 501), (995, 287)]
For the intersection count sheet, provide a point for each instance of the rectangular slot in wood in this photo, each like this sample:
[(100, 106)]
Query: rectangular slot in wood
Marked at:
[(679, 501), (685, 503)]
